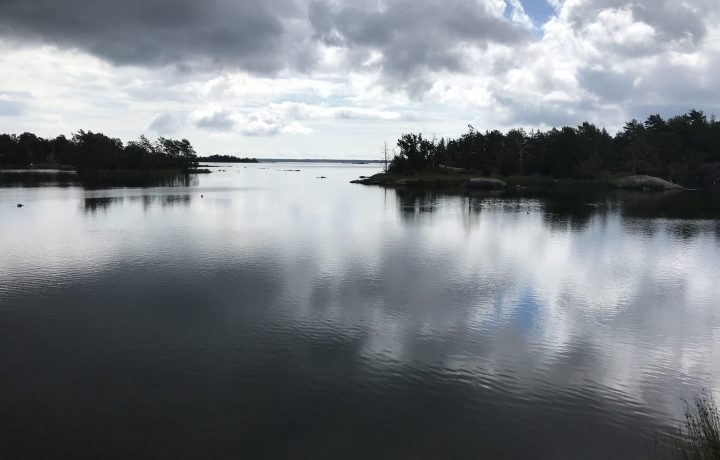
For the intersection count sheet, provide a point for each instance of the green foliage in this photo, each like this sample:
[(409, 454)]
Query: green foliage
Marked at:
[(87, 150), (684, 149), (416, 154)]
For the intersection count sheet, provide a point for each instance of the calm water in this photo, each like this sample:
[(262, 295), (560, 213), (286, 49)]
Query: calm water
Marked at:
[(281, 315)]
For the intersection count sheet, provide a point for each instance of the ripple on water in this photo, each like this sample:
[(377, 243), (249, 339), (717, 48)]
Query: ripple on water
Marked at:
[(335, 320)]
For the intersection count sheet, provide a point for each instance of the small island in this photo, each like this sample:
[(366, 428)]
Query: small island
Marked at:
[(227, 159), (680, 152)]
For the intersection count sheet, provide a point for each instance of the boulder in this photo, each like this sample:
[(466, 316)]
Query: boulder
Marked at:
[(647, 183)]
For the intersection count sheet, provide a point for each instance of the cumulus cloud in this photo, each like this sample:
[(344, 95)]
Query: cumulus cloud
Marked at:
[(286, 117), (268, 36), (254, 71), (406, 39), (256, 35), (167, 123), (672, 20), (610, 60), (217, 121)]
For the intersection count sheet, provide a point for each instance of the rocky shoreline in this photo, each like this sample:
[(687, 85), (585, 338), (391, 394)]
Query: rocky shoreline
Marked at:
[(469, 181)]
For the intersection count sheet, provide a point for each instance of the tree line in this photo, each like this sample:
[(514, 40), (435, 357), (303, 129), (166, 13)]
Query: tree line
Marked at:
[(684, 149), (87, 150), (227, 159)]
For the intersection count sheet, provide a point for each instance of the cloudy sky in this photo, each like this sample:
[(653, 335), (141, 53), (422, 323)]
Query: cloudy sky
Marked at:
[(336, 78)]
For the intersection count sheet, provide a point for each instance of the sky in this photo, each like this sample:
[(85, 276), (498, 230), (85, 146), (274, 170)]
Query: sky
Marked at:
[(337, 78)]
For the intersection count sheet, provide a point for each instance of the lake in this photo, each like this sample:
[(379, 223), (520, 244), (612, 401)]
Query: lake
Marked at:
[(262, 312)]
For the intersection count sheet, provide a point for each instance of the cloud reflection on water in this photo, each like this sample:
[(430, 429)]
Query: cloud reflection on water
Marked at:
[(572, 307)]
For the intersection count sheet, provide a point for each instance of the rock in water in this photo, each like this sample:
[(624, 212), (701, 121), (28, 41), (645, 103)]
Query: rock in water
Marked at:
[(647, 183)]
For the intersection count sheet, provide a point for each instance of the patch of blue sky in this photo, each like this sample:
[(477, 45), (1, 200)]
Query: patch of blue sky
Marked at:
[(539, 11), (525, 311)]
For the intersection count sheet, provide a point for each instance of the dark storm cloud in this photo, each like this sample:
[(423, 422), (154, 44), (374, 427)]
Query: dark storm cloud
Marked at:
[(414, 36), (257, 35)]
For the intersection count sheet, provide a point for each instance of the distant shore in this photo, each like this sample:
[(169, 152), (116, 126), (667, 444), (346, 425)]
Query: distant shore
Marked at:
[(44, 168), (319, 160), (226, 159)]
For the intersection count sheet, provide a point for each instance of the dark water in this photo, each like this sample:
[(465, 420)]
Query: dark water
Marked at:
[(286, 316)]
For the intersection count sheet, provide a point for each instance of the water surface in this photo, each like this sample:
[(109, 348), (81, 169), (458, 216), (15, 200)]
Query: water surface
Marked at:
[(260, 312)]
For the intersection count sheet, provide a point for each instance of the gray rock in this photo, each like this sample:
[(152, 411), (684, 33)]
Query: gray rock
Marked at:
[(647, 183)]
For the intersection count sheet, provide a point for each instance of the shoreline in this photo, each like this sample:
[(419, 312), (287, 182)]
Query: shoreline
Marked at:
[(457, 180), (66, 169)]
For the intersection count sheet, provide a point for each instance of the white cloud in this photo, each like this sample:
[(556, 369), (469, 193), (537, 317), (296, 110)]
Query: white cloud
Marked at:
[(285, 117), (617, 28), (599, 60), (167, 123), (519, 15)]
